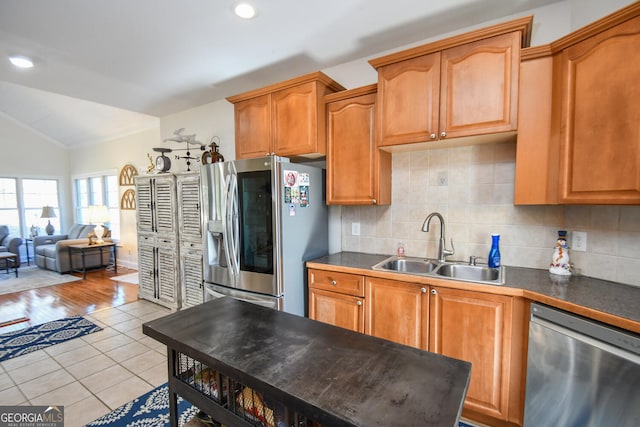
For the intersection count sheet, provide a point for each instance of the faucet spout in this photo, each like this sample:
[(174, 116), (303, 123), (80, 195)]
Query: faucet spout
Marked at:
[(443, 252)]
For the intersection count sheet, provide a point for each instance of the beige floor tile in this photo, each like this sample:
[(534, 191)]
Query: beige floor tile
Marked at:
[(107, 332), (64, 396), (154, 344), (128, 325), (90, 366), (106, 378), (136, 334), (155, 315), (79, 354), (124, 392), (27, 359), (5, 381), (45, 384), (142, 307), (84, 411), (34, 370), (65, 346), (12, 396), (156, 375), (113, 342), (111, 316), (127, 351), (144, 361)]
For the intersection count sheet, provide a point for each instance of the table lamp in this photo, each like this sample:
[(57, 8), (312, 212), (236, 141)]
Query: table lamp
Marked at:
[(48, 212), (98, 215)]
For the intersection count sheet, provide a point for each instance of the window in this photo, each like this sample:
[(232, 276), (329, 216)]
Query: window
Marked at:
[(98, 190), (21, 202)]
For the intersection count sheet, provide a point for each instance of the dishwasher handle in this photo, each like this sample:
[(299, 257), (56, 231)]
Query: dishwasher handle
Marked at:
[(622, 343)]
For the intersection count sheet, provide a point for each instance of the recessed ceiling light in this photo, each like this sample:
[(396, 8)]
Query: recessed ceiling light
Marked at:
[(21, 61), (245, 10)]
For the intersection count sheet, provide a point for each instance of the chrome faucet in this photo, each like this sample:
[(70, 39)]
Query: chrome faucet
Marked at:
[(443, 252)]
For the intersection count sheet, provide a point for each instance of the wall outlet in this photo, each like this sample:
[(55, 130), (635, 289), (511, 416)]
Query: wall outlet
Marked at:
[(579, 241), (443, 178), (355, 228)]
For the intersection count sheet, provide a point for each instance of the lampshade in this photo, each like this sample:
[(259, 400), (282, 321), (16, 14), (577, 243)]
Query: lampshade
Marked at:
[(48, 212), (98, 214)]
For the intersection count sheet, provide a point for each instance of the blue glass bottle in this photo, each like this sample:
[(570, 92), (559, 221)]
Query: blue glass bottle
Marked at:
[(494, 253)]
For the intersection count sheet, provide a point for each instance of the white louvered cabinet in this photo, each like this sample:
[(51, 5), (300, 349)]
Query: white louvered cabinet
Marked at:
[(158, 249), (190, 236)]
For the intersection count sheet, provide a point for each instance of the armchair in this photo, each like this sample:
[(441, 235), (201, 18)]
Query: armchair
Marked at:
[(9, 243), (52, 253)]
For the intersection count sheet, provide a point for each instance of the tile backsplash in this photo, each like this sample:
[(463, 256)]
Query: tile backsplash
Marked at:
[(472, 187)]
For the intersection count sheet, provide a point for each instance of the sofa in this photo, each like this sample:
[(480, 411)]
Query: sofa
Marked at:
[(9, 243), (52, 253)]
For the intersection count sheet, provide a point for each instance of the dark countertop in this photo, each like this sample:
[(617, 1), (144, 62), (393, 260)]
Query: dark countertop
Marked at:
[(603, 300), (340, 377)]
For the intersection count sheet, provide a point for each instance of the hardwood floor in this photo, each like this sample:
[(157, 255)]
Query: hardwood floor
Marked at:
[(41, 305)]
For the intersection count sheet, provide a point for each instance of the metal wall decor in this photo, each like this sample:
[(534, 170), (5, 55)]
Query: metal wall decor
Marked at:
[(188, 140)]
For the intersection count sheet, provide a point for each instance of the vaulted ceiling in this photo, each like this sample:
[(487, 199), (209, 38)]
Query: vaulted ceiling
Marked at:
[(107, 68)]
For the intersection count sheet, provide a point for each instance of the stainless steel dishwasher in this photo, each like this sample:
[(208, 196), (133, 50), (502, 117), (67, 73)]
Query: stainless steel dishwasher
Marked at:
[(580, 373)]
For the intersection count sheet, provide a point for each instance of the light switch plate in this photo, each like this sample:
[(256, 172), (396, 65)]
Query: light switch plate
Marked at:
[(579, 241), (355, 228)]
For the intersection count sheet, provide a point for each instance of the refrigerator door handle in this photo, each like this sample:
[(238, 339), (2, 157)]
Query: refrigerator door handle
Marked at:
[(232, 225)]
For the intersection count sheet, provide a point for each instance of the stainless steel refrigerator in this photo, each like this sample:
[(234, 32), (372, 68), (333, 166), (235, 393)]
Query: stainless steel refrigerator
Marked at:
[(263, 218)]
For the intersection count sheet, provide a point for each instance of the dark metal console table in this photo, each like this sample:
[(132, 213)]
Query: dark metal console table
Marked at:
[(246, 365), (85, 248)]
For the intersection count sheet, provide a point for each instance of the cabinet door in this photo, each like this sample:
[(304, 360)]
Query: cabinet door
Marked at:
[(397, 311), (167, 274), (479, 87), (144, 204), (146, 270), (165, 205), (336, 309), (408, 100), (354, 163), (253, 127), (295, 120), (475, 327), (191, 277), (189, 208), (600, 139)]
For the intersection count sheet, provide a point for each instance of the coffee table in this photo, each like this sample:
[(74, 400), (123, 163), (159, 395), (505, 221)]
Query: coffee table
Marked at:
[(11, 261)]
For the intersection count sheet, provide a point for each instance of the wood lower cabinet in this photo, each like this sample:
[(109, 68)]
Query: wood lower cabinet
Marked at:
[(337, 298), (397, 311), (486, 330), (286, 119), (459, 87), (358, 173)]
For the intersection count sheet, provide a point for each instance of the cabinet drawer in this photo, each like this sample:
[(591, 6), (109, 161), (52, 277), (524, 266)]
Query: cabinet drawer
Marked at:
[(345, 283)]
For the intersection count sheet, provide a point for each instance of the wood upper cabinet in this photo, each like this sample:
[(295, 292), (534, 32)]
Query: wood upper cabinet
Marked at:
[(337, 299), (253, 127), (286, 119), (397, 311), (358, 173), (458, 87), (600, 114), (486, 330), (578, 137)]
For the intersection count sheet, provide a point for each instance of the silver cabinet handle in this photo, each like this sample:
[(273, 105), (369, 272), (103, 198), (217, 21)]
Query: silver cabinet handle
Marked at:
[(434, 292), (333, 282), (359, 303), (443, 134), (432, 136), (374, 201), (423, 290)]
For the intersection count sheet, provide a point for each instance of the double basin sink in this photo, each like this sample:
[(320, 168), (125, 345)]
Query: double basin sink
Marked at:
[(454, 270)]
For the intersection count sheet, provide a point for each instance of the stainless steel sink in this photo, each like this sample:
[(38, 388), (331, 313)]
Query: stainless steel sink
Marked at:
[(444, 270), (407, 265), (474, 273)]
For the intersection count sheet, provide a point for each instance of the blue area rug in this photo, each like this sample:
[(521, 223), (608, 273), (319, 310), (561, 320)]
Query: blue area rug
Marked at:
[(24, 341), (149, 410), (152, 410)]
